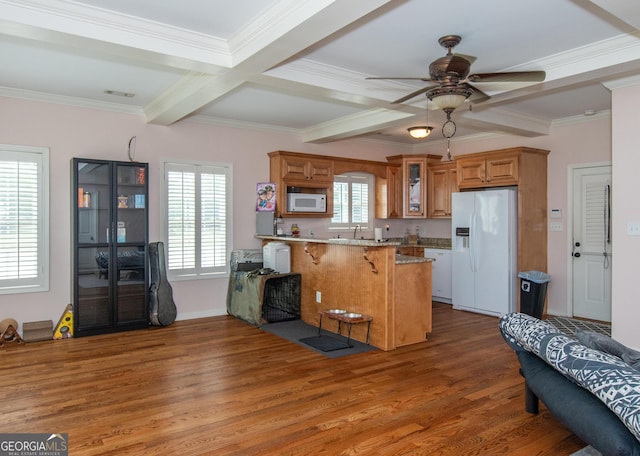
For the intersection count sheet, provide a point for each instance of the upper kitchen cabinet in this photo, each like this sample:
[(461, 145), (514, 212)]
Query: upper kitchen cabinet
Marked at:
[(414, 185), (294, 172), (493, 170), (297, 168), (389, 193), (441, 179)]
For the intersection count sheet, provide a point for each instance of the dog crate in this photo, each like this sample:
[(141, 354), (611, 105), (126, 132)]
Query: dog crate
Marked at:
[(281, 300)]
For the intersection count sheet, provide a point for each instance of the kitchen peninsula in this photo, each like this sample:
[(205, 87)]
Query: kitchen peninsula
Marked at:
[(366, 277)]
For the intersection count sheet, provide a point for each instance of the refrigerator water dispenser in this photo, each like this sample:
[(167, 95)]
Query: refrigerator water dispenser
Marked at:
[(462, 238)]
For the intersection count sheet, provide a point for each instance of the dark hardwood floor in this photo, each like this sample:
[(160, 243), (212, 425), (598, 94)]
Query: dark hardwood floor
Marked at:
[(222, 387)]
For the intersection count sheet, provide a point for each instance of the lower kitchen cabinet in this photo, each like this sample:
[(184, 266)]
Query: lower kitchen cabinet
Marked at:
[(412, 291), (411, 250)]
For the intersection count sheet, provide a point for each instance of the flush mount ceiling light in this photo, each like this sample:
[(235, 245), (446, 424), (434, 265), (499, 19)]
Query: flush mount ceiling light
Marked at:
[(422, 131), (419, 132)]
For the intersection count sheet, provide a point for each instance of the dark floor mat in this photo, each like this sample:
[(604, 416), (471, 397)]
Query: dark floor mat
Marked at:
[(296, 331), (325, 343)]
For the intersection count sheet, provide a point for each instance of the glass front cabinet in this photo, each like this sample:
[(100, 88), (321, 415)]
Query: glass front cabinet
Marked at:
[(110, 239)]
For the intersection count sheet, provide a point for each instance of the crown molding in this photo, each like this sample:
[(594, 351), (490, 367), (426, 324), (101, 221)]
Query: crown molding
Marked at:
[(64, 100), (77, 20), (622, 82), (582, 118)]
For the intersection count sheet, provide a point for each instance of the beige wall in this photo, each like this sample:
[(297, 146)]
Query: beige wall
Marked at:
[(625, 208), (78, 132)]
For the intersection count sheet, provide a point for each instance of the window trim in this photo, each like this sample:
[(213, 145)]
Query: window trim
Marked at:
[(164, 214), (41, 155)]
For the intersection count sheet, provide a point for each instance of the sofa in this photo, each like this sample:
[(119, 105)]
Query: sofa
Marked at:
[(588, 381)]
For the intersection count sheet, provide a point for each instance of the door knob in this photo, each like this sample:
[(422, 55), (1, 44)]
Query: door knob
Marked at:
[(577, 254), (577, 244)]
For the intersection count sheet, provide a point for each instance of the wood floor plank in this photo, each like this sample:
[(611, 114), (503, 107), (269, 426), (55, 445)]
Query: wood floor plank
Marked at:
[(218, 386)]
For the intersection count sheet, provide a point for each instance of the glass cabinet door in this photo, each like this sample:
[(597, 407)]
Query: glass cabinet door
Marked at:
[(131, 203), (93, 202), (414, 181)]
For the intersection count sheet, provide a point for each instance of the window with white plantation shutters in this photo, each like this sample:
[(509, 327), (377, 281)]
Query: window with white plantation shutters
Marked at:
[(351, 201), (24, 221), (198, 220)]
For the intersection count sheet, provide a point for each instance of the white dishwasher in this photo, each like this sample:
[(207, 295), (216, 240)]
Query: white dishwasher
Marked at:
[(441, 274)]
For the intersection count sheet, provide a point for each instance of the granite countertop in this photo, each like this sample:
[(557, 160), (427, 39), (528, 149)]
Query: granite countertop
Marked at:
[(429, 243), (400, 259), (336, 241), (408, 259)]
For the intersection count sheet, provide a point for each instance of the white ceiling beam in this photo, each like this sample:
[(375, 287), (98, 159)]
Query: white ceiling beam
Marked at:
[(624, 10), (506, 121), (311, 89), (291, 35), (354, 125)]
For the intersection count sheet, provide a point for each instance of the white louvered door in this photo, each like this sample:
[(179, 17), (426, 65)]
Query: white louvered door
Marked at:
[(592, 243)]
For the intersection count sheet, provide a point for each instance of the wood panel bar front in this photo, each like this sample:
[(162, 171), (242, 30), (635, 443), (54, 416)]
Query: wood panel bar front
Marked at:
[(363, 279)]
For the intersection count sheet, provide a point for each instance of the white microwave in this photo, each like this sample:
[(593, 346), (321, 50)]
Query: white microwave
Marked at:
[(306, 202)]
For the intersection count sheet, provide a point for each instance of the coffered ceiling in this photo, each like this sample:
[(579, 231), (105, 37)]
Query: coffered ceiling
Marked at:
[(301, 66)]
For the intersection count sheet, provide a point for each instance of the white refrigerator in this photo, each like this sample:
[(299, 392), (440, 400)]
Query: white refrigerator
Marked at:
[(484, 254)]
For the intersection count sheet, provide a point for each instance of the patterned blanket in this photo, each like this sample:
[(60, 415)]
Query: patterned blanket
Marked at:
[(607, 377)]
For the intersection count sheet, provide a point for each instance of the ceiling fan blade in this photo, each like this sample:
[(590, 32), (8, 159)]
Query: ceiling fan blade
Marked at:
[(413, 94), (458, 64), (399, 77), (478, 96), (515, 76), (468, 58)]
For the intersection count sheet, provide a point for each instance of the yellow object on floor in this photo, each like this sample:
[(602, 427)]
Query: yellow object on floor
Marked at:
[(64, 328)]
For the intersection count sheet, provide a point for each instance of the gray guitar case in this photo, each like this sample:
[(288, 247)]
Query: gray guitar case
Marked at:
[(162, 309)]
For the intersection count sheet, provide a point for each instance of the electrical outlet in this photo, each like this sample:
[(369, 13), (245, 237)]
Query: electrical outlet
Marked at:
[(318, 297), (633, 228), (555, 226)]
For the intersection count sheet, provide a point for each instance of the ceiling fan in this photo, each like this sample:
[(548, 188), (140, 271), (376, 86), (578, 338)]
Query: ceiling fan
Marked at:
[(452, 79)]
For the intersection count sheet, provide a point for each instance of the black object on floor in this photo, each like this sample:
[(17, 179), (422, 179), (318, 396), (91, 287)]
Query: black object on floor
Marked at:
[(325, 343), (295, 330)]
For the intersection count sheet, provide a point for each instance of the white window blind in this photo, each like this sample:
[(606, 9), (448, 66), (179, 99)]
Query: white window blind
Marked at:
[(351, 197), (24, 226), (197, 210)]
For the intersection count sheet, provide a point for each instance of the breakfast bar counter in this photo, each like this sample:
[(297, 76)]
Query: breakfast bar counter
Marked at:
[(366, 277)]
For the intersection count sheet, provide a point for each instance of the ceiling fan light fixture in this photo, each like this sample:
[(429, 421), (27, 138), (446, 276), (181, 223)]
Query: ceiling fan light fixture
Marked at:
[(448, 101), (419, 132), (449, 97)]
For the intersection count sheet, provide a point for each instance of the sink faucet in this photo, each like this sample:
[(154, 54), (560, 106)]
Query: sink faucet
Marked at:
[(356, 229)]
